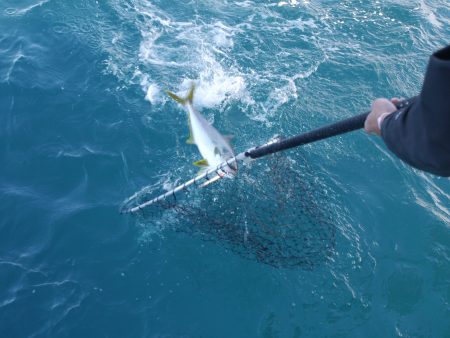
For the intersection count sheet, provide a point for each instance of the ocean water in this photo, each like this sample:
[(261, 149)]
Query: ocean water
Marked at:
[(84, 123)]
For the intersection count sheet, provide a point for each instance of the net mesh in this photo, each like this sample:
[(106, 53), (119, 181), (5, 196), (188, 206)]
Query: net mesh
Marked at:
[(275, 212)]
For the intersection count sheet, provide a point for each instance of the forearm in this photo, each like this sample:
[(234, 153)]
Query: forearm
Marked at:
[(420, 133)]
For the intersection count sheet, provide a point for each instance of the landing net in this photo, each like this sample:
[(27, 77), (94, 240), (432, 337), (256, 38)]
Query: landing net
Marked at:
[(274, 212), (277, 212)]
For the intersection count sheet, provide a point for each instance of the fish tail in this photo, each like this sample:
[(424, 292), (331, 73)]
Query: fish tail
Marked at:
[(183, 101)]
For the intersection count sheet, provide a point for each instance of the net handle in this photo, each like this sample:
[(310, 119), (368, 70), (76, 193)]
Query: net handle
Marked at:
[(273, 146), (334, 129)]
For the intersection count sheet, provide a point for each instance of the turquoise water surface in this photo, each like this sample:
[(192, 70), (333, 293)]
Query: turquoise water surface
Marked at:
[(85, 123)]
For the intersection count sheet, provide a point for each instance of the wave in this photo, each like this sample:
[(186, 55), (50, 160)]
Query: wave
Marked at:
[(275, 63), (173, 53)]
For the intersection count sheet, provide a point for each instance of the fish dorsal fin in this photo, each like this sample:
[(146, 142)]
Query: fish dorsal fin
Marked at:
[(201, 163)]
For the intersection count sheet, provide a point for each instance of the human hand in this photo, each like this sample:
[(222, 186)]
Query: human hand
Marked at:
[(380, 109)]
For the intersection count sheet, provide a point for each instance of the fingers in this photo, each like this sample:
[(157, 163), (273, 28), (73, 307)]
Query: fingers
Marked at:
[(383, 105), (396, 100)]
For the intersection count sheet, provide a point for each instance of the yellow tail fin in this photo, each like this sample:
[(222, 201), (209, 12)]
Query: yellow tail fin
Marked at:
[(188, 99)]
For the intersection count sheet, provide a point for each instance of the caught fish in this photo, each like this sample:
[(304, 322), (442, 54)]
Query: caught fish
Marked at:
[(213, 146)]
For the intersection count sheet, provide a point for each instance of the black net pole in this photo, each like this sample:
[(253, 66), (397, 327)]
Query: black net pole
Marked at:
[(338, 128)]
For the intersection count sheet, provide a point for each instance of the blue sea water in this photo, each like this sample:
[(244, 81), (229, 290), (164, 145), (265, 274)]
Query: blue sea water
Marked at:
[(84, 123)]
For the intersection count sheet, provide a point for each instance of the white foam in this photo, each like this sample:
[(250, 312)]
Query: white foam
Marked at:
[(215, 85), (430, 14), (153, 94), (288, 3), (198, 50), (172, 53), (222, 35)]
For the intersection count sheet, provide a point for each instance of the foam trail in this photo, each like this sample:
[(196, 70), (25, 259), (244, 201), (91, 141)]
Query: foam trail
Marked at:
[(23, 11)]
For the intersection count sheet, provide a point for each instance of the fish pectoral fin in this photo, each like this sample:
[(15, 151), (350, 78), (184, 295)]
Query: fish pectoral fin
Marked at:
[(229, 138), (201, 163)]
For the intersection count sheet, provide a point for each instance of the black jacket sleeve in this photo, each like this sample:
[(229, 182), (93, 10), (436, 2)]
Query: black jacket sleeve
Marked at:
[(420, 133)]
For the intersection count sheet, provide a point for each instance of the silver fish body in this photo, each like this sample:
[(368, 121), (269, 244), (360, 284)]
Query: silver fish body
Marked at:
[(213, 146)]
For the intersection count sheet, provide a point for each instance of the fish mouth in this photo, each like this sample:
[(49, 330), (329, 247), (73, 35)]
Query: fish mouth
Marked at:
[(231, 169), (227, 168)]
